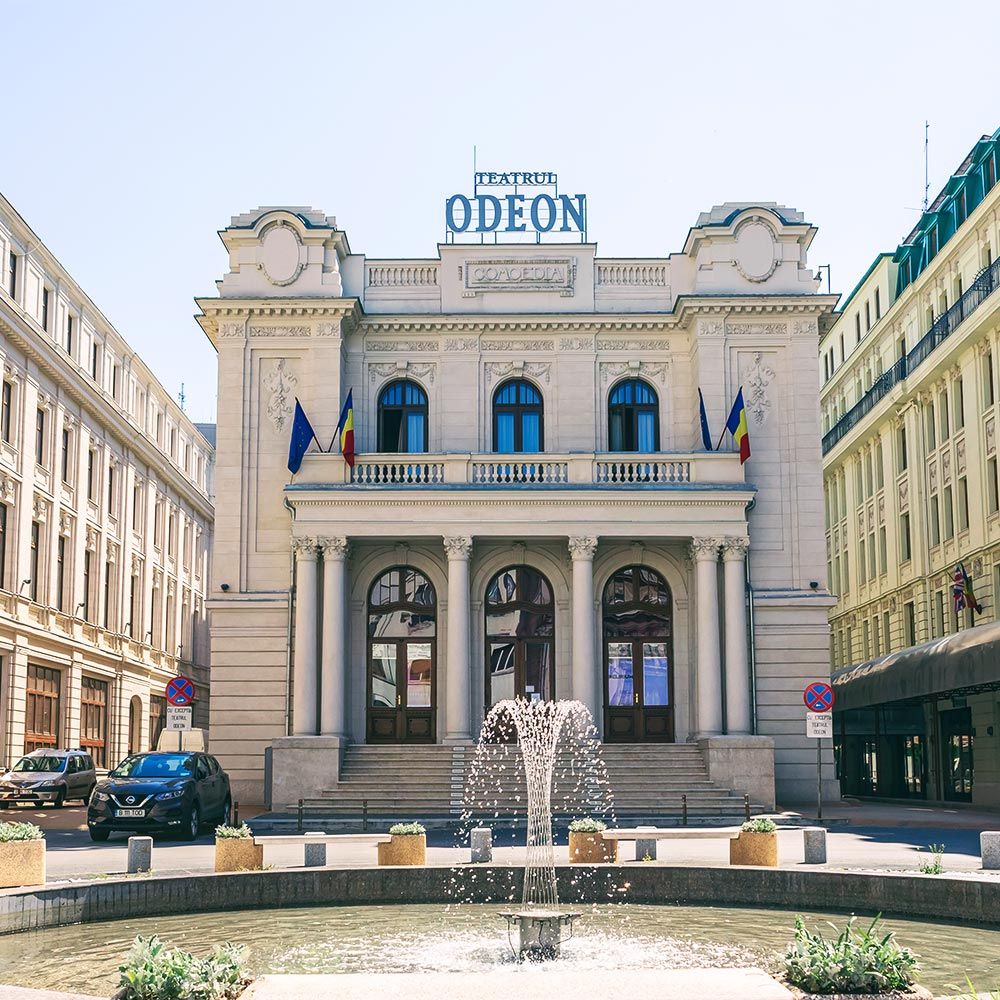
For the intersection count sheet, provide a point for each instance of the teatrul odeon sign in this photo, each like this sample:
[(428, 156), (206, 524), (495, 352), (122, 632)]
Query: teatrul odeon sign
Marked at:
[(520, 205)]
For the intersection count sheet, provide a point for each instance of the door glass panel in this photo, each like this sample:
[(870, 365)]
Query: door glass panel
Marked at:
[(537, 671), (399, 625), (383, 675), (418, 675), (620, 679), (501, 671), (655, 679)]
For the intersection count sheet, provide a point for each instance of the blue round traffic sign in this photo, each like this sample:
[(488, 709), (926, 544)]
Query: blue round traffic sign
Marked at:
[(180, 691), (818, 697)]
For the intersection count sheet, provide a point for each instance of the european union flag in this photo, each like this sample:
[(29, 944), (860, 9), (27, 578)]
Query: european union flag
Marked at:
[(706, 437), (302, 436)]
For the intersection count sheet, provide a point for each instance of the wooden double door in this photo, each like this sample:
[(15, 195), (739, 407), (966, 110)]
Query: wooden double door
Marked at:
[(401, 691), (638, 685)]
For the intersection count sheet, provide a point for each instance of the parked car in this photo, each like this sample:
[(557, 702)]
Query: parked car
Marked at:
[(160, 792), (49, 777)]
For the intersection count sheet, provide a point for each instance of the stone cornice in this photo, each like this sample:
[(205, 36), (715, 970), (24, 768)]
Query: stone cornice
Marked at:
[(735, 499), (346, 311)]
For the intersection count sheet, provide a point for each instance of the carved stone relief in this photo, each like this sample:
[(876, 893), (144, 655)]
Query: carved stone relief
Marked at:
[(757, 380), (533, 369), (280, 383), (388, 369), (610, 370)]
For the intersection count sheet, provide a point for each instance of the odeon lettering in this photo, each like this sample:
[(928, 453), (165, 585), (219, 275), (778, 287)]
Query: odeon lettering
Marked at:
[(516, 213)]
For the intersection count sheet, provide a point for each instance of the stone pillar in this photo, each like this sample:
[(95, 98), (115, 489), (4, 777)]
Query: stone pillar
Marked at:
[(459, 679), (738, 709), (586, 685), (705, 553), (304, 694), (333, 665)]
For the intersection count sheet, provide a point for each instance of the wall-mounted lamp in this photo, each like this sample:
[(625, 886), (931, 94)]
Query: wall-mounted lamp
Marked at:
[(825, 267), (79, 607), (149, 636), (24, 583)]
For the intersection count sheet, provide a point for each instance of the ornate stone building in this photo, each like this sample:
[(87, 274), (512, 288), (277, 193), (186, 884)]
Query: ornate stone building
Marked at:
[(105, 522), (532, 511)]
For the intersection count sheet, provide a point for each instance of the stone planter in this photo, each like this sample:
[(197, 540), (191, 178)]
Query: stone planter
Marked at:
[(592, 849), (754, 849), (238, 854), (404, 849), (22, 862), (913, 993)]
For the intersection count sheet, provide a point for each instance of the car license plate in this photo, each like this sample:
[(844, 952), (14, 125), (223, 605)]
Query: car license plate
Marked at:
[(129, 813)]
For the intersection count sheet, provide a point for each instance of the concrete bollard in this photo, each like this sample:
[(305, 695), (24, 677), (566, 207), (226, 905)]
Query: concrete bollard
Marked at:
[(482, 844), (315, 854), (645, 848), (140, 854), (814, 845), (989, 846)]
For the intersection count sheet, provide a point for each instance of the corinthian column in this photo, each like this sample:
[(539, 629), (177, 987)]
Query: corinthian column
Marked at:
[(304, 671), (585, 680), (333, 671), (705, 553), (457, 722), (734, 551)]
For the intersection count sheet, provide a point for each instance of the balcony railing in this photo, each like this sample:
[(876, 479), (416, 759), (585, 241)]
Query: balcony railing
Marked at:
[(981, 289), (603, 471)]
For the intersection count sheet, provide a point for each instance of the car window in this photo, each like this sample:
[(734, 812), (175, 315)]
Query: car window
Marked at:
[(45, 763), (88, 763), (202, 769), (155, 765), (213, 765), (73, 765)]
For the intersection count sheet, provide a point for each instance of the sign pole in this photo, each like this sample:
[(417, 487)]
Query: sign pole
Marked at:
[(819, 698), (819, 779)]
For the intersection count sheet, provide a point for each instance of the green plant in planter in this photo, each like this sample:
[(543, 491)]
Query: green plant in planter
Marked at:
[(855, 961), (9, 832), (587, 826), (242, 832), (759, 826), (935, 866), (151, 971), (406, 829)]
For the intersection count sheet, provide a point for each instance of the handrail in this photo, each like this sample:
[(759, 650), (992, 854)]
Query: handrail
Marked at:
[(985, 283)]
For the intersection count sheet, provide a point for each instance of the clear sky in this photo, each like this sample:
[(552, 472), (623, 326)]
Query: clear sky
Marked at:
[(131, 132)]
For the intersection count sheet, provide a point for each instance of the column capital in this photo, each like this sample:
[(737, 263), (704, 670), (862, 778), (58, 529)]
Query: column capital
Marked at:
[(333, 548), (305, 548), (735, 548), (458, 546), (704, 549), (582, 547)]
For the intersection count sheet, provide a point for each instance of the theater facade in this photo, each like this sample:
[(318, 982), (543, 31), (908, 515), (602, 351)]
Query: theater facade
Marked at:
[(532, 511)]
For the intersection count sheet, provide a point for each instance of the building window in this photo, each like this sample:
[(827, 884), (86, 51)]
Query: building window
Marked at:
[(989, 392), (879, 465), (866, 640), (909, 624), (95, 359), (939, 617), (949, 514), (61, 573), (94, 719), (12, 274), (157, 718), (857, 327), (46, 295), (6, 409), (135, 611), (40, 436), (3, 546), (904, 537), (137, 507), (992, 486), (69, 334), (958, 398), (902, 456), (112, 492), (42, 709), (88, 560), (91, 476), (109, 569), (931, 427), (36, 532), (878, 305), (868, 321), (517, 418), (862, 564), (172, 535), (402, 419), (883, 550), (886, 632), (114, 381), (944, 416), (935, 519), (66, 437), (633, 417), (963, 504)]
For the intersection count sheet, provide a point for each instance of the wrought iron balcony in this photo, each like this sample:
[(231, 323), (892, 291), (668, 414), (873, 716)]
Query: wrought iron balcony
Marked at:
[(987, 282)]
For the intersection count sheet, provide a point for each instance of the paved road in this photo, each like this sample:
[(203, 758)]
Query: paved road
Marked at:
[(72, 853)]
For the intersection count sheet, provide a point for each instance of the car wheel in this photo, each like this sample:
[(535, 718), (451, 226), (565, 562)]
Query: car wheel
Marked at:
[(98, 835), (60, 800), (227, 812), (190, 830)]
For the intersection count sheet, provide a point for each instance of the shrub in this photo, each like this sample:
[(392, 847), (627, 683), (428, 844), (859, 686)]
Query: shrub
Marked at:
[(152, 972), (242, 832), (587, 826), (936, 864), (406, 829), (759, 826), (855, 962), (19, 831)]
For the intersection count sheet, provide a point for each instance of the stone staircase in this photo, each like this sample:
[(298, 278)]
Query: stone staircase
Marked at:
[(648, 781)]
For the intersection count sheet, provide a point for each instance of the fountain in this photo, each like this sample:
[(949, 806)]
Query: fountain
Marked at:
[(540, 729)]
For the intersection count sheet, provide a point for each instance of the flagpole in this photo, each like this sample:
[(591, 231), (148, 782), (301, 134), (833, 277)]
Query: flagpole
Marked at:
[(721, 436)]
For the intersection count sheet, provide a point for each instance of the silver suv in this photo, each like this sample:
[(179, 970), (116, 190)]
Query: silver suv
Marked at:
[(49, 777)]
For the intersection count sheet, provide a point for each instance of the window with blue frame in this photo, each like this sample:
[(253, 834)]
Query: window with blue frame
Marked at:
[(402, 418), (518, 418), (633, 417)]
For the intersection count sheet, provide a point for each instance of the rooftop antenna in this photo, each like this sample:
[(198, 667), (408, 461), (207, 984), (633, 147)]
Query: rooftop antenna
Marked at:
[(927, 183), (181, 396)]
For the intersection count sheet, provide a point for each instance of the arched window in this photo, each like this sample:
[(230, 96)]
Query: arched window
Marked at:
[(633, 417), (518, 425), (520, 636), (402, 418), (638, 657), (402, 628), (135, 725)]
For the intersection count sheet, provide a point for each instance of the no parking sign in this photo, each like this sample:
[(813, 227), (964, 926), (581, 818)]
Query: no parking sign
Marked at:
[(180, 691)]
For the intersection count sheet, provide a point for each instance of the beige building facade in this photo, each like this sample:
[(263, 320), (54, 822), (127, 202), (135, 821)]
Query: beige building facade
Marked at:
[(105, 522), (532, 511), (910, 405)]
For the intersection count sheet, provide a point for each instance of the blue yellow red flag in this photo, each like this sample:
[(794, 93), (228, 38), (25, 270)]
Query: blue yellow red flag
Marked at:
[(736, 424), (345, 430)]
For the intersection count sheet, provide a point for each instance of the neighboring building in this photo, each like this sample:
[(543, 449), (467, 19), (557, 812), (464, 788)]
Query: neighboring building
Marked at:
[(105, 522), (910, 405), (532, 511)]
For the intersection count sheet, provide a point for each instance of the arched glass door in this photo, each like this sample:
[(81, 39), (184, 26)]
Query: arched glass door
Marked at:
[(402, 625), (520, 636), (638, 657)]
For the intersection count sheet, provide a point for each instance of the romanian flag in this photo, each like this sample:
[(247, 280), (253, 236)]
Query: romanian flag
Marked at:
[(736, 424), (345, 430)]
